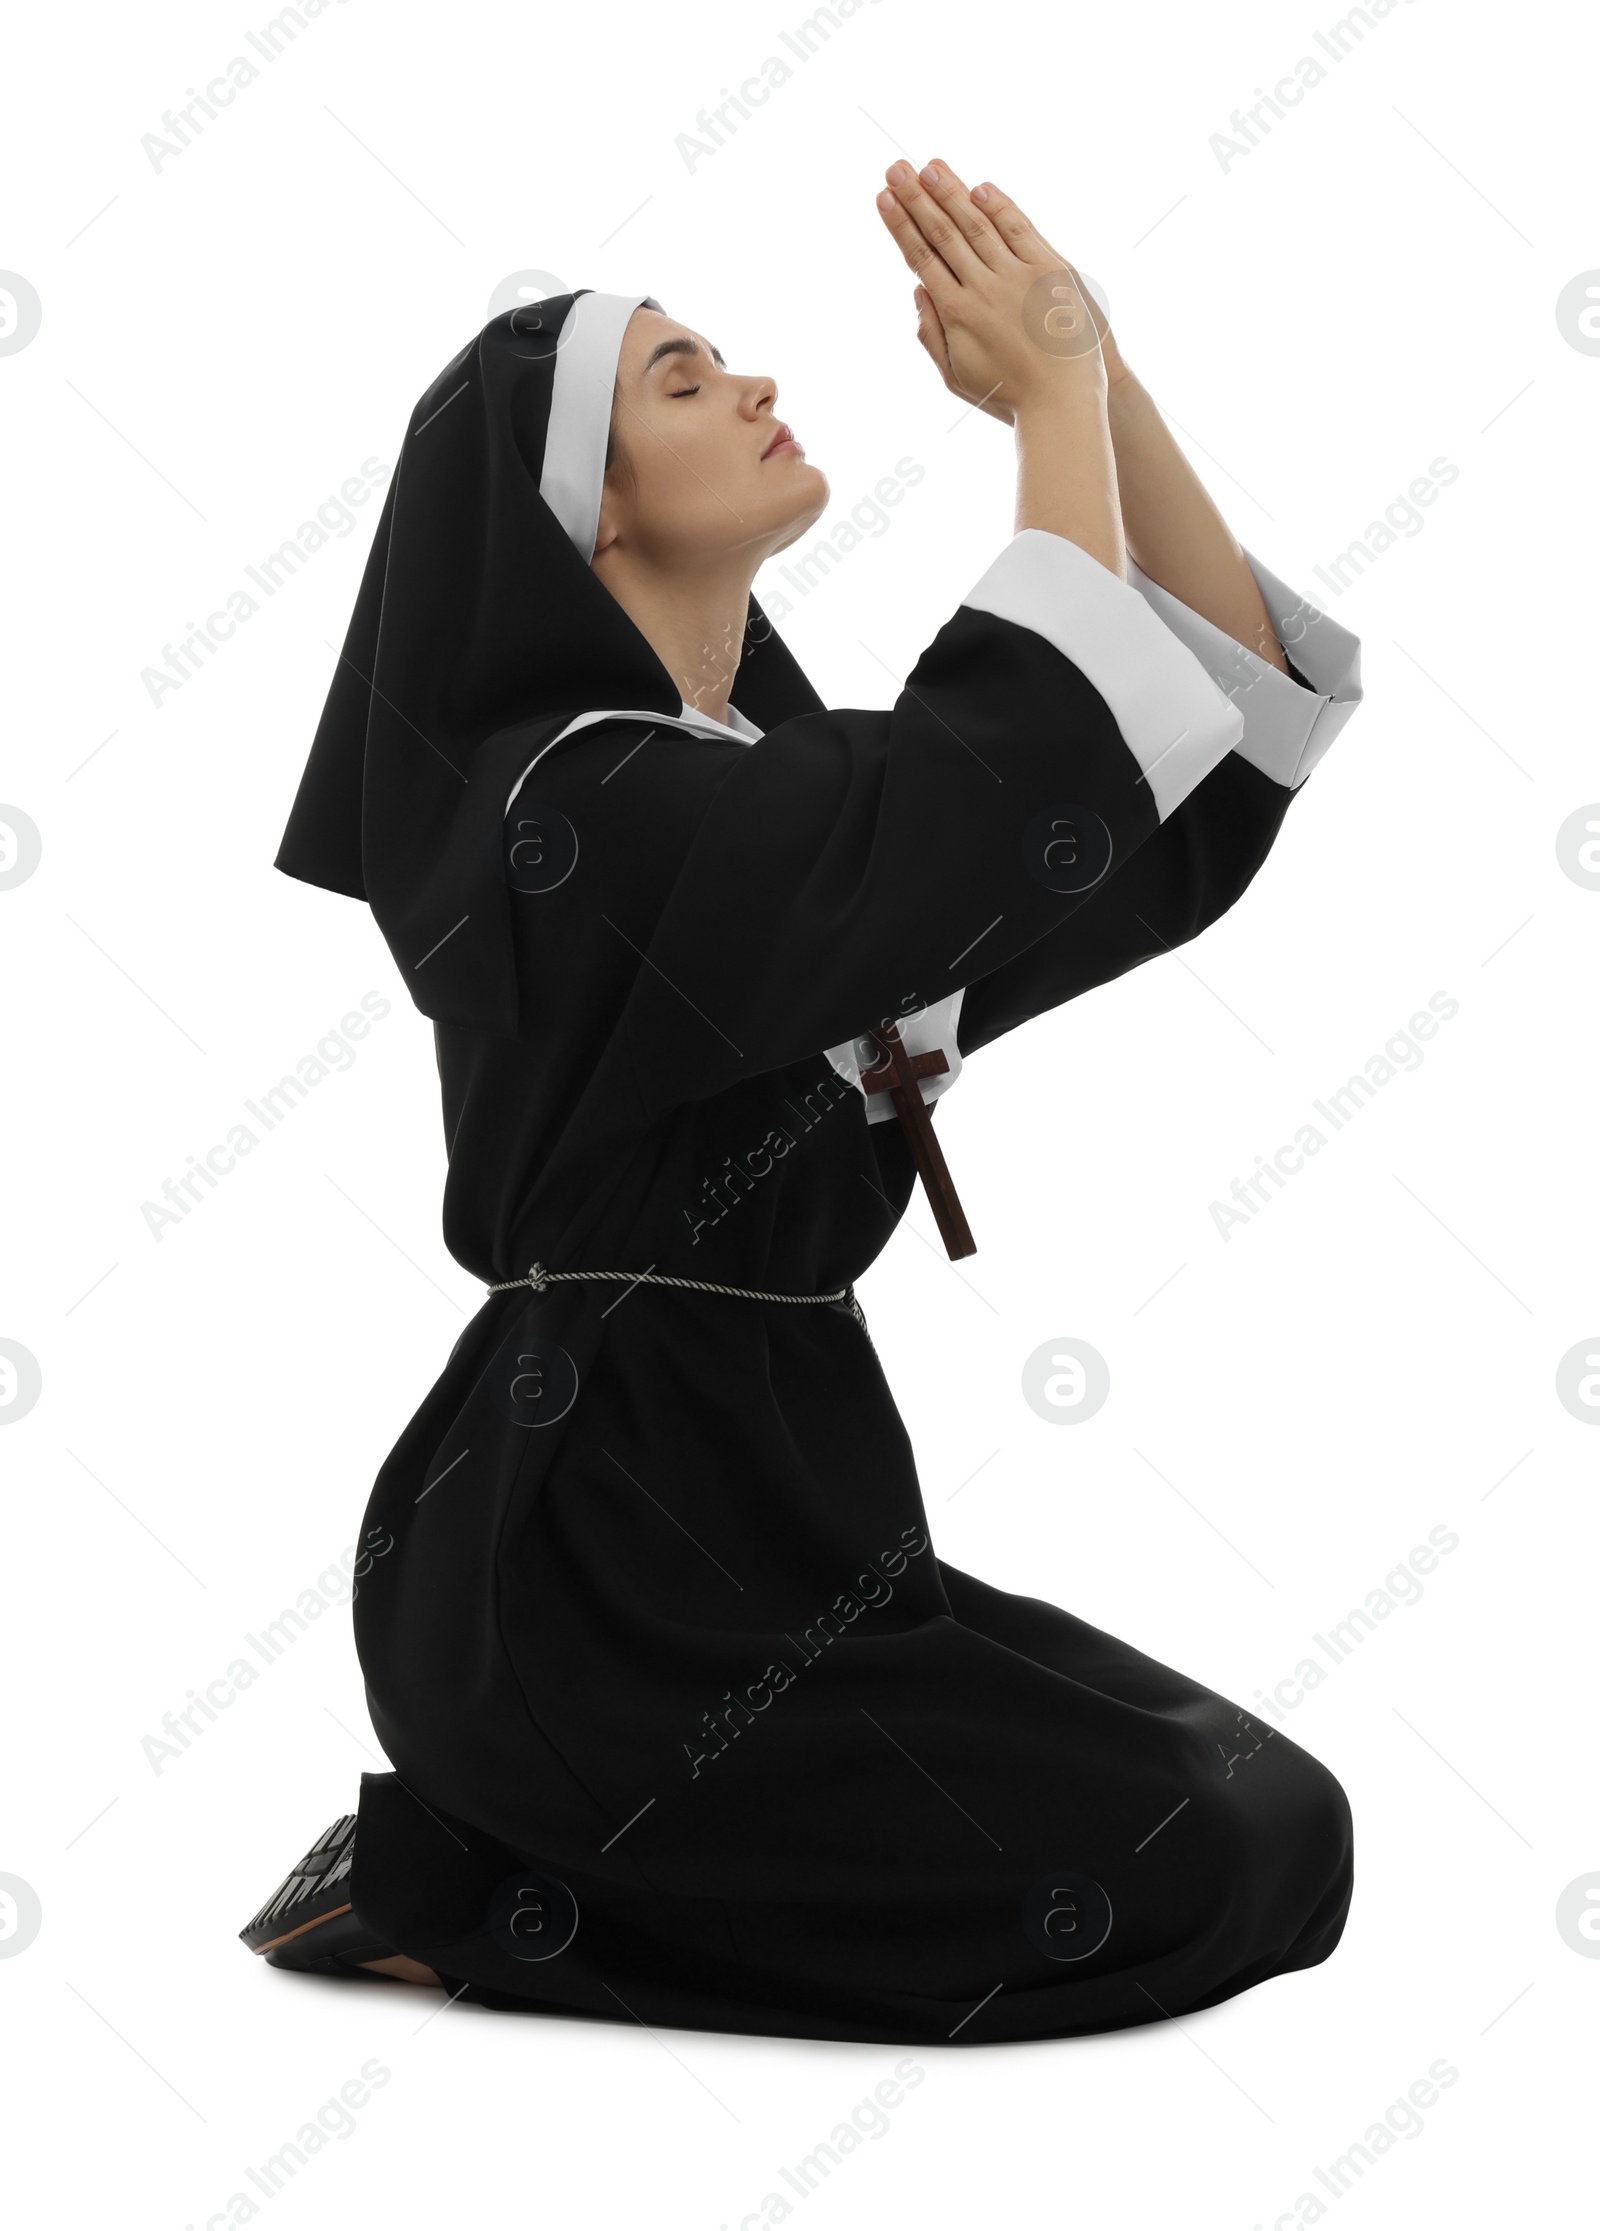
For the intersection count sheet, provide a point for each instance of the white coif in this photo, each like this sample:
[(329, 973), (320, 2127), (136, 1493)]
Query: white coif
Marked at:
[(574, 468)]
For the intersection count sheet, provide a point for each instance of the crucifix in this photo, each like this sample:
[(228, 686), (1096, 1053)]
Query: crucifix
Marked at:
[(896, 1072)]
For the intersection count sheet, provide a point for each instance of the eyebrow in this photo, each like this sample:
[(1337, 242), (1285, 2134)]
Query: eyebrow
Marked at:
[(684, 346)]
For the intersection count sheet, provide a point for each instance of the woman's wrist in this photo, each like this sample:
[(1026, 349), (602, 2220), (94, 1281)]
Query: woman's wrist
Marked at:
[(1126, 395), (1067, 472), (1072, 402)]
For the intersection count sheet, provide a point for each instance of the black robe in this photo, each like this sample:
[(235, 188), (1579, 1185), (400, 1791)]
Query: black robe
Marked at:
[(690, 1723)]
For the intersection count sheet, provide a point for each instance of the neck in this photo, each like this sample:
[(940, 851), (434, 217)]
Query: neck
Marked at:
[(694, 620)]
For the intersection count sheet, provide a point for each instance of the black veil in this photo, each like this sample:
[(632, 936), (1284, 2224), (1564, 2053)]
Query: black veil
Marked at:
[(479, 631)]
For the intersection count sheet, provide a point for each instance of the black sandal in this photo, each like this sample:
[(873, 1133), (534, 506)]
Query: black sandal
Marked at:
[(309, 1923)]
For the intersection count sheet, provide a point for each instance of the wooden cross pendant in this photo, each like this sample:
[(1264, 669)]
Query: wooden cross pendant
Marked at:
[(896, 1072)]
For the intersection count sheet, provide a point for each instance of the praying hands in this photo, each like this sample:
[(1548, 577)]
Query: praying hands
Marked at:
[(1011, 328)]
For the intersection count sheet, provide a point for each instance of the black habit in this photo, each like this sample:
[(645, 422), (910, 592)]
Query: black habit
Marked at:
[(689, 1721)]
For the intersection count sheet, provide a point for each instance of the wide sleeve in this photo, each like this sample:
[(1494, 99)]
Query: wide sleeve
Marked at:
[(852, 867), (1206, 852)]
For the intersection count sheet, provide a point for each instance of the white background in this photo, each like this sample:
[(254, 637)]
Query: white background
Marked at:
[(1371, 288)]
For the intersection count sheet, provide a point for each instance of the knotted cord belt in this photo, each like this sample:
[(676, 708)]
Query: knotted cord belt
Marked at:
[(539, 1279)]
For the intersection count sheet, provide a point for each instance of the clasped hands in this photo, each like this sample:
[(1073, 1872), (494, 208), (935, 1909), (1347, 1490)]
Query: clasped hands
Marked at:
[(1004, 316)]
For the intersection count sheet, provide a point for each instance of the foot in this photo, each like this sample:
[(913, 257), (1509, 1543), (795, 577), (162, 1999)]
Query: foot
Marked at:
[(401, 1964), (310, 1923)]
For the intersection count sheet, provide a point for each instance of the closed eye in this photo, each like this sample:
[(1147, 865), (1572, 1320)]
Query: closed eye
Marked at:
[(677, 391)]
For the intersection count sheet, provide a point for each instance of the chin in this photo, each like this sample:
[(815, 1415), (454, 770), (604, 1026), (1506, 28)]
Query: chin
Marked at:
[(810, 500)]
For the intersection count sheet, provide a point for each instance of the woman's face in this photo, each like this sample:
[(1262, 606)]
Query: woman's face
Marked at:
[(700, 467)]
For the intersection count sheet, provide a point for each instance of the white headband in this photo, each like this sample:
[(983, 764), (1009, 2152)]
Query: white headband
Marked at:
[(580, 411)]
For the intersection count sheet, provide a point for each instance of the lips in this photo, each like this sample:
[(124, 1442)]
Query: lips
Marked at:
[(781, 439)]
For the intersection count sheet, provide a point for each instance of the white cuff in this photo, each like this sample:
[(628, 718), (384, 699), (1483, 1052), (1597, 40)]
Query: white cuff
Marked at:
[(1173, 717), (1286, 728), (931, 1029)]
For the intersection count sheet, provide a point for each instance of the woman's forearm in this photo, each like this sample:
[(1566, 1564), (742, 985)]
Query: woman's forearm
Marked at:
[(1174, 531), (1095, 462), (1067, 474)]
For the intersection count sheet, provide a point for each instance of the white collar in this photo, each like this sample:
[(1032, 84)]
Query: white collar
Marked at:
[(735, 724)]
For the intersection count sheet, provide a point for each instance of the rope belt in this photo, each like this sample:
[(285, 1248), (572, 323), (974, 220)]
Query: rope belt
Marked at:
[(539, 1279)]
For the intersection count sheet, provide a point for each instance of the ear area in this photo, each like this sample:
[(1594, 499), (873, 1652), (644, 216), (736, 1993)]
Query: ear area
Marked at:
[(608, 526), (616, 490)]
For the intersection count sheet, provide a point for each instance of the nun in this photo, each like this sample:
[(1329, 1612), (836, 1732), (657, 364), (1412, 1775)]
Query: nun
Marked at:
[(689, 1723)]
